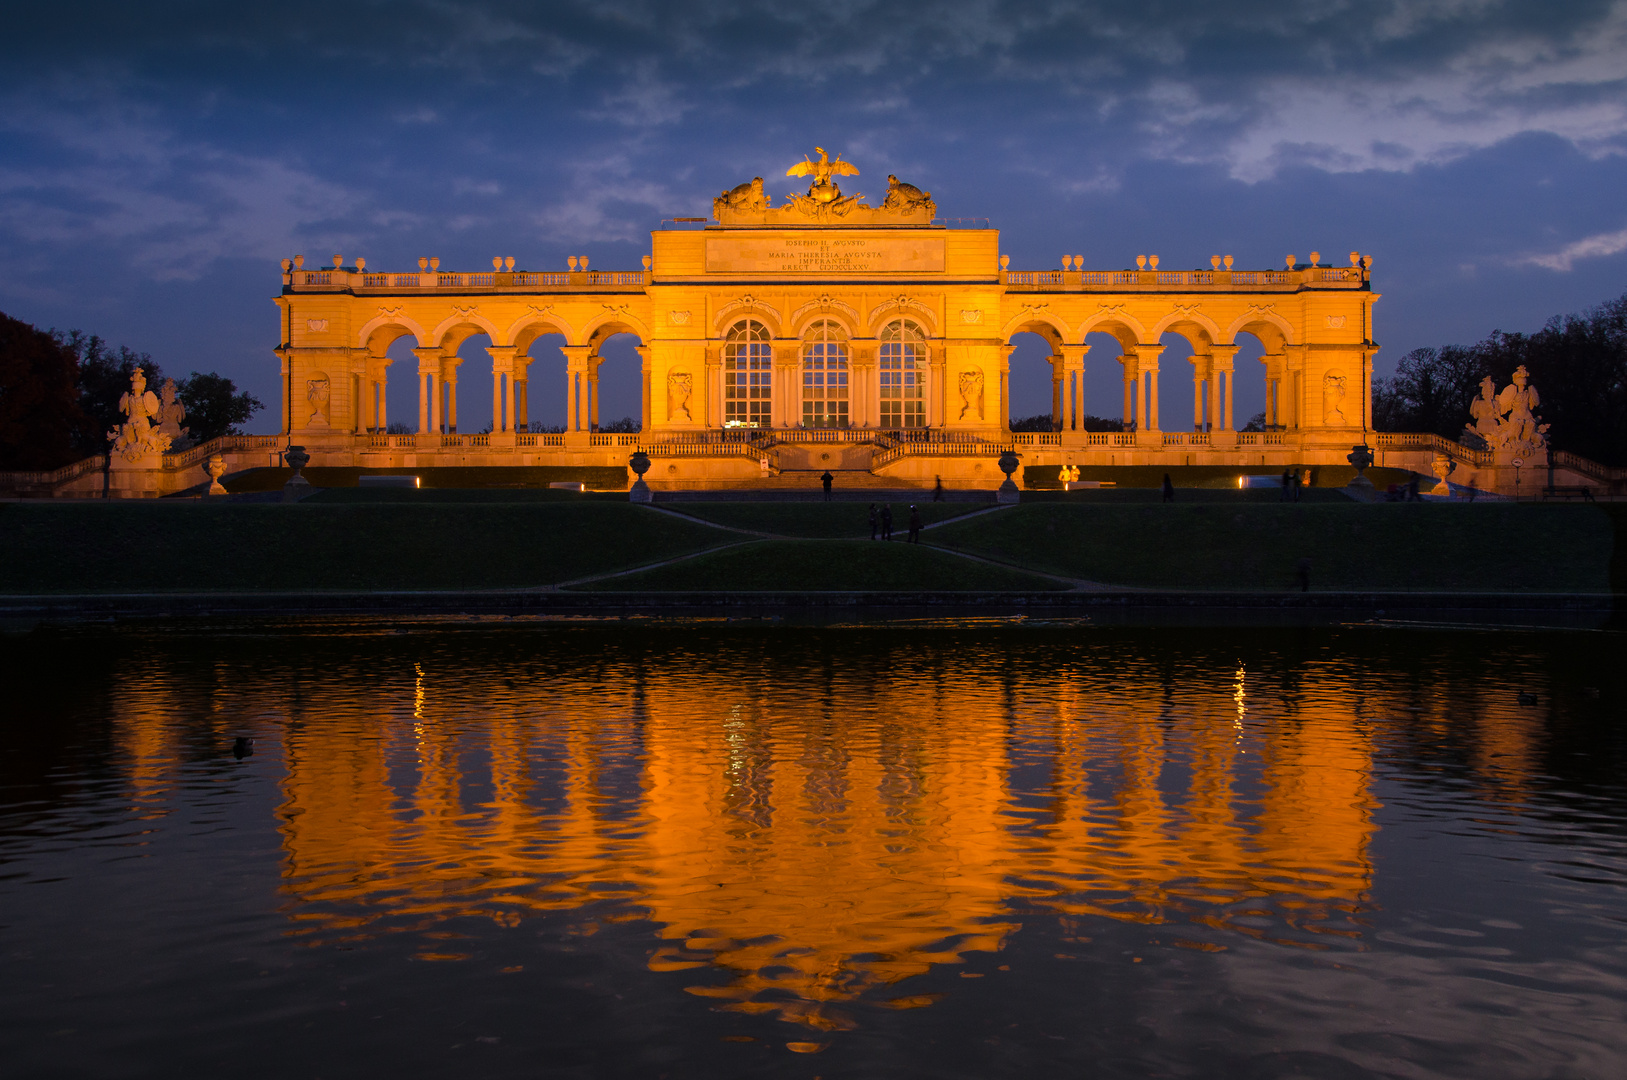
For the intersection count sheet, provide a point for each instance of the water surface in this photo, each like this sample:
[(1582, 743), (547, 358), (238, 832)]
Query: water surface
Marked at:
[(719, 849)]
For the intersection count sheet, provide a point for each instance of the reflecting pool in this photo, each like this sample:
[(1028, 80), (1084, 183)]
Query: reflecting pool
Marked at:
[(717, 849)]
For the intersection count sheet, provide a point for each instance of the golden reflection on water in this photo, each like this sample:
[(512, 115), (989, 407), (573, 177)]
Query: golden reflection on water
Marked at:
[(812, 841)]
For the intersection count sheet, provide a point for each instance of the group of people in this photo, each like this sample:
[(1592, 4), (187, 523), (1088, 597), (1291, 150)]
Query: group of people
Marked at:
[(881, 523)]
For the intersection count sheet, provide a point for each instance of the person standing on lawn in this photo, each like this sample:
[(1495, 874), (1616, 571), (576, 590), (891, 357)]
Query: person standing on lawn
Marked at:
[(886, 521), (1169, 489), (915, 525), (937, 492), (826, 481)]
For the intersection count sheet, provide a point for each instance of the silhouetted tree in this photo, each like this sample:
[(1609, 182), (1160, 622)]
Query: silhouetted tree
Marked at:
[(1577, 362), (104, 377), (214, 406), (40, 417)]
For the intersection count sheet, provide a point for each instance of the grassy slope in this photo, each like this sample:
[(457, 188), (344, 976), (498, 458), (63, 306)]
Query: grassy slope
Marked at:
[(826, 565), (1388, 546), (816, 519), (59, 547)]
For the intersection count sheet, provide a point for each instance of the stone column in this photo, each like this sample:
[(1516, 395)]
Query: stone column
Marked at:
[(644, 387), (1057, 375), (714, 386), (1147, 363), (1294, 363), (786, 408), (1073, 386), (1131, 374), (593, 393), (861, 384), (503, 365), (1222, 361), (937, 384), (577, 358), (1004, 404), (450, 374), (1200, 364)]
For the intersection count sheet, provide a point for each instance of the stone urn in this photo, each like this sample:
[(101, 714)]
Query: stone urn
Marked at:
[(640, 491), (297, 486), (1008, 492), (216, 468), (1361, 457)]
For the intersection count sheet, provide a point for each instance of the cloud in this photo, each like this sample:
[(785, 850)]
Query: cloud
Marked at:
[(1597, 246), (103, 175)]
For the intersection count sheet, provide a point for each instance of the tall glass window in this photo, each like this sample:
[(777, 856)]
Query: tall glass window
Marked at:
[(902, 370), (748, 376), (824, 376)]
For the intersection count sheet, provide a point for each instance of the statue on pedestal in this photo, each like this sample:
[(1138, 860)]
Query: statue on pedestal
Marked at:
[(136, 438), (1506, 423)]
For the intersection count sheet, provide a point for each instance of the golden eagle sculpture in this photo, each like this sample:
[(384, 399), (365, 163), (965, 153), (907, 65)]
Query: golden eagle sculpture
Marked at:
[(823, 190)]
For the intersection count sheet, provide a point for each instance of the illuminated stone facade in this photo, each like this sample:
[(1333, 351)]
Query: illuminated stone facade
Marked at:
[(826, 321)]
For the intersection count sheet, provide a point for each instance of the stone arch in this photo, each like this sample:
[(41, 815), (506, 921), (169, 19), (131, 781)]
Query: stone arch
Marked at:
[(825, 309), (535, 324), (612, 322), (374, 338), (1178, 322), (1046, 325), (746, 307), (1277, 331), (598, 332), (473, 321), (903, 308), (1124, 327)]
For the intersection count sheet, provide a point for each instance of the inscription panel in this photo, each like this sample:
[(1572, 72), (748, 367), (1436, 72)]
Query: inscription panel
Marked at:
[(824, 255)]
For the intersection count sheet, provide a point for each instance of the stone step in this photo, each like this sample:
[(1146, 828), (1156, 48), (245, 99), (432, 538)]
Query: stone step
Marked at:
[(896, 496)]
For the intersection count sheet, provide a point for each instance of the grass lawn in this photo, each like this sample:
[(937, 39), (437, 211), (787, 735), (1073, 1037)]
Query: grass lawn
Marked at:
[(609, 477), (825, 566), (71, 546), (1490, 547), (816, 520)]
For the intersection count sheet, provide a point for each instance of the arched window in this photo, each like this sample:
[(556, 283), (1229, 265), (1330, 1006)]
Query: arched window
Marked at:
[(902, 370), (824, 376), (748, 375)]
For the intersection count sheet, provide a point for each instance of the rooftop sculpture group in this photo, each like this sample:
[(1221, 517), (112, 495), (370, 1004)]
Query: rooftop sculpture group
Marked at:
[(748, 204)]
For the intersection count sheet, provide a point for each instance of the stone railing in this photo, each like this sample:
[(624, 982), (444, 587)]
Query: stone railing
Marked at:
[(1605, 474), (52, 478), (929, 442), (1036, 438), (1186, 438), (224, 444), (612, 439), (1426, 440), (1261, 438), (1325, 277), (1110, 438), (359, 281)]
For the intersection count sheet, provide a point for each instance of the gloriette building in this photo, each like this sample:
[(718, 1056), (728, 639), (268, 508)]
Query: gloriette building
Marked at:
[(881, 331)]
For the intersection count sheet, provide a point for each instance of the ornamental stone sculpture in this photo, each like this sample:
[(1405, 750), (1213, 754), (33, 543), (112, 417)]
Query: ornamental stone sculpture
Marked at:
[(1506, 423), (170, 414), (136, 438), (680, 388)]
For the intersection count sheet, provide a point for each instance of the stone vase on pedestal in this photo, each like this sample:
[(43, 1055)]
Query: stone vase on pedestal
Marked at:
[(1008, 492), (640, 491)]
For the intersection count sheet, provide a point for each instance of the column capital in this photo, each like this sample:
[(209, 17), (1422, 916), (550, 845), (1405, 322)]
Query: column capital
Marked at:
[(576, 356), (1223, 352), (429, 359), (1073, 356)]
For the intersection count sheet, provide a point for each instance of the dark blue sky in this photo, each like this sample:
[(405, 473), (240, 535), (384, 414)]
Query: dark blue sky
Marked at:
[(157, 160)]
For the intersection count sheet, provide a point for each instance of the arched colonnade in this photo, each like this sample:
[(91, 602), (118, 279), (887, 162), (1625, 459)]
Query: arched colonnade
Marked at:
[(437, 354), (1214, 351)]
